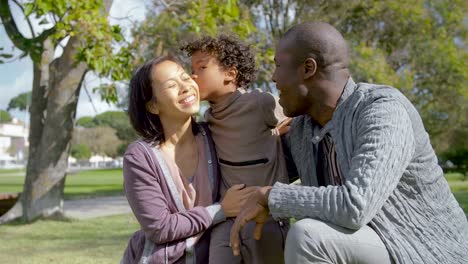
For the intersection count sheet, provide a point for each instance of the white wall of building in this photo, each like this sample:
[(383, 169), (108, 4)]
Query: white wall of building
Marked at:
[(13, 138)]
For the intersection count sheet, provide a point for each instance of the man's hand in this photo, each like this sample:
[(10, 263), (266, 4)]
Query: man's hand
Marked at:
[(256, 208), (235, 198)]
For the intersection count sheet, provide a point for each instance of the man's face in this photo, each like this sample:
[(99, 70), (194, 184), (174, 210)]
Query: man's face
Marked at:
[(288, 76)]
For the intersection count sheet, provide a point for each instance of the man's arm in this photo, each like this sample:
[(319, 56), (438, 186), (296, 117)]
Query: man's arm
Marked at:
[(383, 149)]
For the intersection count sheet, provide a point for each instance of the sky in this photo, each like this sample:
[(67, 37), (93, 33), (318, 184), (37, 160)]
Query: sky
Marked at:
[(16, 76)]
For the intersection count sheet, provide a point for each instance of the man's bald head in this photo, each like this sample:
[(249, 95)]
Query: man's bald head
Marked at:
[(319, 41)]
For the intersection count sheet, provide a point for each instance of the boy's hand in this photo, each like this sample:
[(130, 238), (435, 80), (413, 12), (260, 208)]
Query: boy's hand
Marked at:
[(283, 127), (235, 198)]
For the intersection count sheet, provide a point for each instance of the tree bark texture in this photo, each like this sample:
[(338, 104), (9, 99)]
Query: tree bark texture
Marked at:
[(55, 92)]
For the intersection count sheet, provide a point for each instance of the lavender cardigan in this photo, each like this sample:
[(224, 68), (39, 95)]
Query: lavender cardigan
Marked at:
[(167, 229)]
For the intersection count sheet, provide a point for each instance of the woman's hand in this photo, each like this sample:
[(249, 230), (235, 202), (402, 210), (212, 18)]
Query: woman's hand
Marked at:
[(235, 198)]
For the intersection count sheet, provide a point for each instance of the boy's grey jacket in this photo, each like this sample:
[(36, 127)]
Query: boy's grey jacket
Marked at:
[(393, 182)]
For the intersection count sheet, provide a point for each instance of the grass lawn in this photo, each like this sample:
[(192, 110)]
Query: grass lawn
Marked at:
[(89, 183), (100, 241), (459, 189), (92, 183)]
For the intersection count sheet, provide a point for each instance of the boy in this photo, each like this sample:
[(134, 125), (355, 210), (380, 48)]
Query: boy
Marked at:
[(242, 125)]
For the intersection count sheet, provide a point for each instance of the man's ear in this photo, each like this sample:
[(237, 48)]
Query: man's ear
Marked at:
[(310, 68), (230, 74), (152, 107)]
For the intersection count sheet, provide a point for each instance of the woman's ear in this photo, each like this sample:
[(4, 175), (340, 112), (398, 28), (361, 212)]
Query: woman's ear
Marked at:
[(230, 74), (152, 107), (310, 68)]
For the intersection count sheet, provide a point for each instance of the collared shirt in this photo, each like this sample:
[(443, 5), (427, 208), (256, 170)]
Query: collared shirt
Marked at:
[(328, 170)]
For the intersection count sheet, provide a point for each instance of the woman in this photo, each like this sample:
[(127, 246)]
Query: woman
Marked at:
[(171, 175)]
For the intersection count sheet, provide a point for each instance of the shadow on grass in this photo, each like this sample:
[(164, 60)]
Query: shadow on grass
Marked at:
[(54, 218)]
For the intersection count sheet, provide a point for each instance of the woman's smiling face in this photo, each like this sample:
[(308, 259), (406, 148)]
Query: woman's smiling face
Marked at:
[(175, 93)]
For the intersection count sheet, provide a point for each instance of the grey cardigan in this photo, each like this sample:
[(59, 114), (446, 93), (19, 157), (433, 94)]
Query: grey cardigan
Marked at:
[(392, 181)]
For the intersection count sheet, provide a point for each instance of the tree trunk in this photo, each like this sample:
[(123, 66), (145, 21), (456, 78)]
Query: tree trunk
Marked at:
[(53, 111), (56, 89)]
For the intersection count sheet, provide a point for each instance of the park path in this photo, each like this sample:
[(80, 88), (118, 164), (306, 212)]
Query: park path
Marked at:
[(96, 207)]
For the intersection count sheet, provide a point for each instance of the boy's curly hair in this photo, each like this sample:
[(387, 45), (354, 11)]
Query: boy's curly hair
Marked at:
[(230, 52)]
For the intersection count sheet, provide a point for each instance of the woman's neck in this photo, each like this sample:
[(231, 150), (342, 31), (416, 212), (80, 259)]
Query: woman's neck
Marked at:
[(176, 132)]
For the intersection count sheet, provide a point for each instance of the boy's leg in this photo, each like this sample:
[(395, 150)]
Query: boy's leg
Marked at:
[(270, 248), (220, 251), (314, 241)]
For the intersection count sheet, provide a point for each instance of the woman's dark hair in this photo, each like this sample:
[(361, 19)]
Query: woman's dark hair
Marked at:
[(230, 52), (146, 124)]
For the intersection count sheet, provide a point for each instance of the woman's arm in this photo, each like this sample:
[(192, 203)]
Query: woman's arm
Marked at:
[(150, 206)]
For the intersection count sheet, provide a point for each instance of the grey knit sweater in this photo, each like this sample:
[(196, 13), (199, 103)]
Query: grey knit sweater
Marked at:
[(392, 181)]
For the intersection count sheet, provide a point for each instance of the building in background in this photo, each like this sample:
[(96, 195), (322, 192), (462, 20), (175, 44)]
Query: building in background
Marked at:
[(13, 144)]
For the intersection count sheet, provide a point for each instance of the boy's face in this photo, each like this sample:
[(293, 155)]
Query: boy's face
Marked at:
[(208, 74)]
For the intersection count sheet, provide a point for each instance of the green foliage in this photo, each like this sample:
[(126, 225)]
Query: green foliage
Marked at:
[(115, 119), (206, 16), (88, 21), (86, 121), (118, 121), (168, 27), (81, 151), (20, 102), (5, 117), (101, 140), (459, 157), (411, 46), (457, 151), (417, 46), (108, 92), (112, 119), (121, 149)]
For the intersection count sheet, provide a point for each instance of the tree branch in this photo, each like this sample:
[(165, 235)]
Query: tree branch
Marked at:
[(89, 97), (45, 34), (26, 17), (11, 28), (285, 18), (66, 62), (107, 4)]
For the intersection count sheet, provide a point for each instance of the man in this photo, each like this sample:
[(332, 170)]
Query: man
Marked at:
[(372, 191)]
